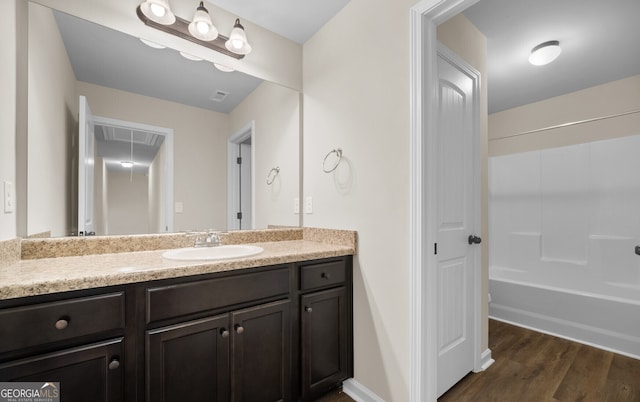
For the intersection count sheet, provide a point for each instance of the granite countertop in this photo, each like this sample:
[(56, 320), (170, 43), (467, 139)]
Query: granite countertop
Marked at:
[(30, 277)]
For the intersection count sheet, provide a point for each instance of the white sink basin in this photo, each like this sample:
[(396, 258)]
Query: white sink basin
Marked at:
[(212, 253)]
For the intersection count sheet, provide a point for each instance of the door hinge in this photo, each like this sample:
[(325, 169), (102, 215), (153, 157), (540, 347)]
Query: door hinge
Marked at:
[(435, 248), (239, 160), (239, 215)]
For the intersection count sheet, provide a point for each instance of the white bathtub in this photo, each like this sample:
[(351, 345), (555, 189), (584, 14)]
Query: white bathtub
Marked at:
[(608, 319)]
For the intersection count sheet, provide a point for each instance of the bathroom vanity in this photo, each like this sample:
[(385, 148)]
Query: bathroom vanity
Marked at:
[(240, 330)]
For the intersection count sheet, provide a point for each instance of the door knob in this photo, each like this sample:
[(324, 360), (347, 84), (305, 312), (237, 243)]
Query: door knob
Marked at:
[(474, 239)]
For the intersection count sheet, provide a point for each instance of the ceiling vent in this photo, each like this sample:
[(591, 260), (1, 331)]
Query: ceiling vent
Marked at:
[(219, 96)]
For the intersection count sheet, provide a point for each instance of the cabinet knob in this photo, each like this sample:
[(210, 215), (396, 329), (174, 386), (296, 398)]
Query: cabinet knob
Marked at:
[(62, 323), (224, 333), (239, 329), (308, 309), (325, 275), (114, 363)]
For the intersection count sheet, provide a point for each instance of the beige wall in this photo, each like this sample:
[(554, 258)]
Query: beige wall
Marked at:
[(612, 100), (462, 37), (127, 203), (273, 57), (276, 113), (52, 125), (157, 189), (356, 97), (200, 149)]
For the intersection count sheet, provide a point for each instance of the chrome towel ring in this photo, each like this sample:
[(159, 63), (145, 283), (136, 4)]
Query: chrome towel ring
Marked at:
[(272, 175), (338, 152)]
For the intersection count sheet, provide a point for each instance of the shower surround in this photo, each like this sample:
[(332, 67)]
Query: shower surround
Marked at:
[(563, 227)]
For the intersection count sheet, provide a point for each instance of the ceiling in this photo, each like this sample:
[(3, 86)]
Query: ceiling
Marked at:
[(599, 40)]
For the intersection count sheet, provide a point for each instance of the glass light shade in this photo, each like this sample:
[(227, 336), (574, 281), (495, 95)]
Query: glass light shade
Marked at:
[(158, 11), (190, 56), (201, 27), (545, 53), (152, 44), (237, 42), (223, 68)]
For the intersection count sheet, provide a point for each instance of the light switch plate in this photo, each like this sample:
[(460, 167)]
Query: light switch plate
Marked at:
[(179, 208), (308, 205), (9, 197), (296, 205)]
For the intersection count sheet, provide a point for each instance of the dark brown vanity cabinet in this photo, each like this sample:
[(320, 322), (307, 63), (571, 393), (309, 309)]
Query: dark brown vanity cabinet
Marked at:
[(76, 341), (276, 333), (325, 326)]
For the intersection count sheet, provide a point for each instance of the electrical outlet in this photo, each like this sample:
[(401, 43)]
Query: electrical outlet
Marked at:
[(9, 197), (296, 205), (308, 205)]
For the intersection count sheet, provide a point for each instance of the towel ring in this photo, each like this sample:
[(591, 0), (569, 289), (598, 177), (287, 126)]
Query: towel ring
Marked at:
[(338, 152), (272, 175)]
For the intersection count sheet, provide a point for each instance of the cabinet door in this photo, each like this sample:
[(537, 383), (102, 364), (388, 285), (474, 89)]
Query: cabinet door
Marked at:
[(325, 341), (89, 373), (261, 351), (189, 361)]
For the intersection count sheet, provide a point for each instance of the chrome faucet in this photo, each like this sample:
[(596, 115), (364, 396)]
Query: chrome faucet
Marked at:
[(209, 238)]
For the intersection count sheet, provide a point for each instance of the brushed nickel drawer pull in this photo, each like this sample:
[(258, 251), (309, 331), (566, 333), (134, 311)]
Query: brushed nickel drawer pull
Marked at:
[(239, 329), (62, 323), (114, 364), (224, 333)]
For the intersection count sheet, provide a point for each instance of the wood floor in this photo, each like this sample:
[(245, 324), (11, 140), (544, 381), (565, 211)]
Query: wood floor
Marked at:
[(535, 367)]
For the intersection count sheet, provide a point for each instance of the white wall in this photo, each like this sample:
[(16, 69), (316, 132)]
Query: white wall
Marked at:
[(7, 109), (200, 150), (52, 125), (276, 113)]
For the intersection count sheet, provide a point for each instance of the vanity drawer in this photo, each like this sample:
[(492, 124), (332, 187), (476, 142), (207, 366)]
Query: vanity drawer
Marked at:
[(321, 275), (37, 324), (193, 297)]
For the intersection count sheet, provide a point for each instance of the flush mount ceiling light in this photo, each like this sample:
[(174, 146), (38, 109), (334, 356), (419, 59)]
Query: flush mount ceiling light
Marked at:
[(158, 11), (545, 53), (201, 30), (237, 42), (201, 27), (126, 164)]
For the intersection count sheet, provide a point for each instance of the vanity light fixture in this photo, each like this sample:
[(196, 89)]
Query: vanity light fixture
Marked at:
[(201, 30), (223, 68), (201, 27), (545, 53), (152, 44), (158, 11), (237, 42)]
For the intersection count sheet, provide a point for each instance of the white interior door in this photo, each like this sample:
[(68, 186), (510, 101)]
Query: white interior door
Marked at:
[(86, 160), (456, 205)]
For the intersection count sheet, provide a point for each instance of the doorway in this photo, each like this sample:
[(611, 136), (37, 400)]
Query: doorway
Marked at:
[(240, 179), (424, 18)]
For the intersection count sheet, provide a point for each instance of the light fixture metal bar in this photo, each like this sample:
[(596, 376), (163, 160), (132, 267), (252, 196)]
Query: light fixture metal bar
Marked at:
[(180, 28)]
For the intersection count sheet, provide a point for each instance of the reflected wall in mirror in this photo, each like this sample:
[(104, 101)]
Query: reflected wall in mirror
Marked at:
[(124, 79)]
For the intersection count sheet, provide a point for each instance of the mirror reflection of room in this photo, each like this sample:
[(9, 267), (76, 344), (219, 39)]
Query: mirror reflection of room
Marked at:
[(202, 107)]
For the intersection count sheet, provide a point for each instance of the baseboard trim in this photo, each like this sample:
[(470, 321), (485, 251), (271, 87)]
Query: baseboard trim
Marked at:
[(359, 392), (485, 359)]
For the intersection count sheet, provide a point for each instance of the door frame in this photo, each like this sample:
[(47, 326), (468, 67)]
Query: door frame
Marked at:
[(167, 133), (240, 136), (423, 78)]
